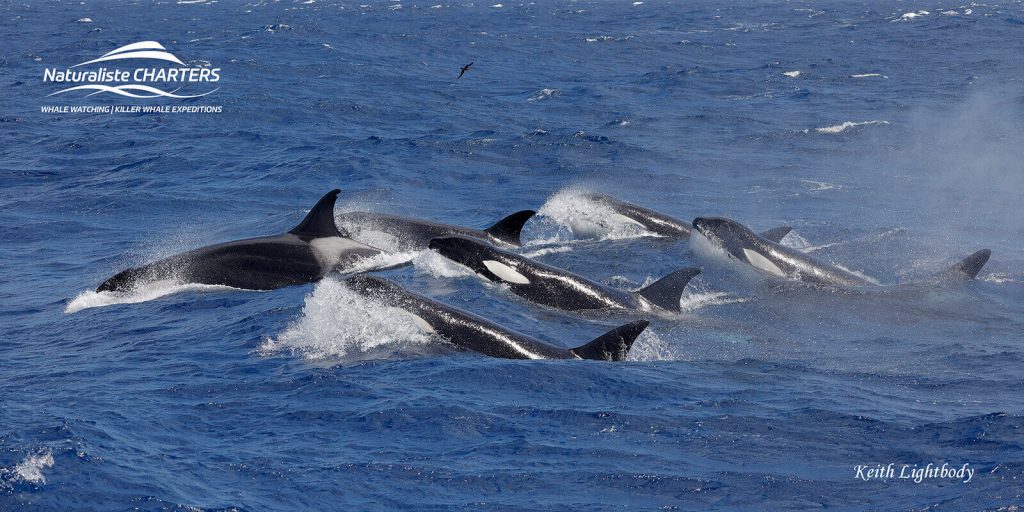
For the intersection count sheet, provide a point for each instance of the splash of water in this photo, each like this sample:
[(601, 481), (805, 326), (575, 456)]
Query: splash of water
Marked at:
[(438, 266), (29, 470), (144, 293), (380, 239), (698, 295), (383, 260), (649, 346), (584, 218), (842, 127), (999, 278), (339, 324)]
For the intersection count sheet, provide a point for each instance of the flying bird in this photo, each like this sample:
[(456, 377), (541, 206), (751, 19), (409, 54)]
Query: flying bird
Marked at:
[(464, 69)]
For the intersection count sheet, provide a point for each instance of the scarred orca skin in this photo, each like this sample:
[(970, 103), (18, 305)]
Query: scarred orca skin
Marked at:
[(558, 288), (415, 234), (742, 244), (469, 331), (659, 223), (304, 254)]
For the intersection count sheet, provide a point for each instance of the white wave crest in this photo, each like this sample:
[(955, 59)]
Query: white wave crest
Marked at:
[(29, 470), (909, 16), (999, 278), (840, 128), (589, 219), (817, 186), (543, 94), (337, 323), (144, 293)]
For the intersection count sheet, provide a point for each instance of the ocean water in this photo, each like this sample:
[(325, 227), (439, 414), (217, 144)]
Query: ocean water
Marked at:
[(890, 135)]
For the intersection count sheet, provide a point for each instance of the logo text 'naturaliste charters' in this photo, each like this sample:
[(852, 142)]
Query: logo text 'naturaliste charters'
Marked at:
[(134, 82)]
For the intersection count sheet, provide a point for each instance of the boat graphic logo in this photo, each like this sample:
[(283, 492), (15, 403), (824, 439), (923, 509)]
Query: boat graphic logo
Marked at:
[(137, 82), (140, 50)]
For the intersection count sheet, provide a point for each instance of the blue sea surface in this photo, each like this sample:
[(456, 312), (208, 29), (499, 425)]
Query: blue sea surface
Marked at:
[(890, 135)]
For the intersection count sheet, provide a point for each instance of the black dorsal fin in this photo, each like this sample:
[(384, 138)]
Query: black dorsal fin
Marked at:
[(507, 230), (612, 345), (666, 292), (776, 234), (319, 222), (971, 265)]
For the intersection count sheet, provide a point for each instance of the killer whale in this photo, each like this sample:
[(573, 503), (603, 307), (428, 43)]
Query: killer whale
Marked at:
[(659, 223), (742, 244), (469, 331), (556, 287), (304, 254), (415, 234)]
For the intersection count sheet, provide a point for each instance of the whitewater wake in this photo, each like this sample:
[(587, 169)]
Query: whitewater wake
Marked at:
[(144, 293), (571, 210), (339, 324)]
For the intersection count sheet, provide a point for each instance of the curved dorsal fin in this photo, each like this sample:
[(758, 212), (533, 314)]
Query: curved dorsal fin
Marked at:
[(507, 230), (971, 265), (667, 291), (612, 345), (319, 222), (776, 234)]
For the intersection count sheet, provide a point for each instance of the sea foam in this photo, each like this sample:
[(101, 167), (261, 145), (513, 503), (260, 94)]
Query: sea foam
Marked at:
[(842, 127), (337, 323), (144, 293), (29, 470), (570, 208)]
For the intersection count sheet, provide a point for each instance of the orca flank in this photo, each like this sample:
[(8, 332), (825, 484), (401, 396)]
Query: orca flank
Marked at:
[(559, 288), (472, 332), (415, 234), (743, 245), (304, 254), (661, 224)]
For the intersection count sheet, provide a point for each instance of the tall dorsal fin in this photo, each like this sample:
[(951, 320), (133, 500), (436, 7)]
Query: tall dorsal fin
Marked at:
[(507, 230), (776, 234), (971, 265), (666, 292), (319, 222), (612, 345)]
